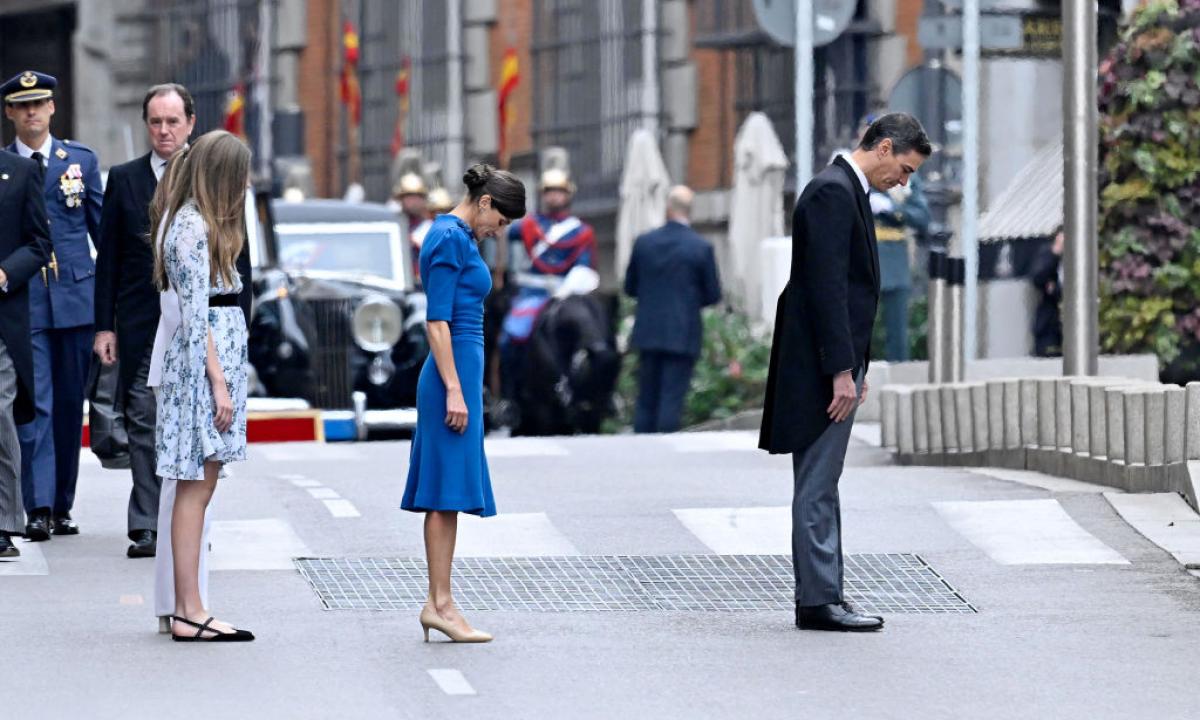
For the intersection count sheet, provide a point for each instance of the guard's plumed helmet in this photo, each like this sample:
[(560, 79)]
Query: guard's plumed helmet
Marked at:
[(556, 179), (440, 201), (410, 184)]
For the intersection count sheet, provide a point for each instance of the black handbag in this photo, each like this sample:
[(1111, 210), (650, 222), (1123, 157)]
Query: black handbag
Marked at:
[(106, 421)]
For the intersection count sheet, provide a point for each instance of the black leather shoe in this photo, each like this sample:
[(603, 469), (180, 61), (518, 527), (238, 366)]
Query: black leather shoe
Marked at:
[(7, 549), (834, 616), (38, 527), (64, 525), (145, 544), (848, 607)]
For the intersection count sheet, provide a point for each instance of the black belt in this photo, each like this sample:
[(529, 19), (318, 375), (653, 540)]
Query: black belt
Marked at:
[(225, 300)]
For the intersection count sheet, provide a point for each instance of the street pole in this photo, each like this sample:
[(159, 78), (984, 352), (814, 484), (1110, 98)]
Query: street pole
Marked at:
[(1080, 158), (970, 184), (804, 93), (650, 108)]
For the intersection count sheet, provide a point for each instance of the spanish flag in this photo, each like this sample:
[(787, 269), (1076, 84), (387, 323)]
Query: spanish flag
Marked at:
[(235, 111), (351, 94), (401, 104), (510, 76)]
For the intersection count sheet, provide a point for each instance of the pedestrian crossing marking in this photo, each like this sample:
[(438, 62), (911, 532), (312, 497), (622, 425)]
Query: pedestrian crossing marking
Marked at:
[(341, 508), (703, 442), (1027, 532), (452, 682), (267, 544), (741, 530), (306, 452), (523, 447), (511, 535), (323, 493), (31, 562)]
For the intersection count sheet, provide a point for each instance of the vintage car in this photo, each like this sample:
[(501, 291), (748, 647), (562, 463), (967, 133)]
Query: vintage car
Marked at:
[(338, 319)]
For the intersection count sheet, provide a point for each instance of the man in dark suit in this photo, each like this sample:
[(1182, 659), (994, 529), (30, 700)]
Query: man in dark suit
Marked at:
[(672, 273), (24, 249), (820, 353), (127, 300), (60, 306)]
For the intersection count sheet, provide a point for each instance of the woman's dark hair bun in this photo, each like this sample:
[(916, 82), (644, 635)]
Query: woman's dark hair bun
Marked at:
[(477, 175)]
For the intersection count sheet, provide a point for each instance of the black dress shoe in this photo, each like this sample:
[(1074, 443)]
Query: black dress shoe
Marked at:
[(64, 525), (145, 544), (834, 616), (7, 549), (38, 527), (852, 609)]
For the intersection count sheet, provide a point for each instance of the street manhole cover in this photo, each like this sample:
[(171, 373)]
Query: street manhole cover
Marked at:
[(891, 583)]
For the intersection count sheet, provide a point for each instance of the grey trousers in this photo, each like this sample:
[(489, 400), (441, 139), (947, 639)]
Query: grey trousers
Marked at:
[(141, 411), (12, 509), (817, 514)]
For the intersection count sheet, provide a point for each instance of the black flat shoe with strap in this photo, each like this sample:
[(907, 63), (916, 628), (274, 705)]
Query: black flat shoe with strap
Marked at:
[(218, 636)]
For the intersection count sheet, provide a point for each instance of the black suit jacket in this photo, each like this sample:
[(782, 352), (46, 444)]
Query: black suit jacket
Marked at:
[(24, 249), (825, 314), (673, 274), (126, 298)]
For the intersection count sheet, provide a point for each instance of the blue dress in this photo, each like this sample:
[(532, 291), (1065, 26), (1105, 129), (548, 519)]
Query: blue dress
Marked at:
[(448, 471)]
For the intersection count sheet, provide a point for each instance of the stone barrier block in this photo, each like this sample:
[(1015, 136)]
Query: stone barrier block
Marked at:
[(1012, 415), (1156, 426), (1192, 433), (1063, 436), (1097, 421), (964, 417), (980, 419), (949, 419), (1046, 416), (1135, 427), (1029, 412), (921, 430), (905, 421), (994, 390), (888, 420), (1114, 420), (1081, 415), (1174, 425)]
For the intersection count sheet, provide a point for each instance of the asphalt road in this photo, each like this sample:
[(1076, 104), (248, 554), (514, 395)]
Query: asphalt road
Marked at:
[(1078, 615)]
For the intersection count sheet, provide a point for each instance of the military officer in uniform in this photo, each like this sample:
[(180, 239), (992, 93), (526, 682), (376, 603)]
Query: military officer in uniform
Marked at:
[(60, 305)]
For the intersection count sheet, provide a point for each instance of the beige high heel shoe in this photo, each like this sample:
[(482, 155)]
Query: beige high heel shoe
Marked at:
[(431, 620)]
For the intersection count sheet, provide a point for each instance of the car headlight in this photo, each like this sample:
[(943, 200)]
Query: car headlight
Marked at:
[(377, 323)]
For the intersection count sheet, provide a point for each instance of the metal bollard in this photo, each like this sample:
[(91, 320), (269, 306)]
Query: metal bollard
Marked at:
[(956, 348), (936, 337)]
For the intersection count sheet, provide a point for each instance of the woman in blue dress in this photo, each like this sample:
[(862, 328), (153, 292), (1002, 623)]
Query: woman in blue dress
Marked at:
[(448, 471)]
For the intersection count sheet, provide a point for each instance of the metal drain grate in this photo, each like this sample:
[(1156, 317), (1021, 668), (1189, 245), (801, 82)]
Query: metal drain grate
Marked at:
[(892, 583)]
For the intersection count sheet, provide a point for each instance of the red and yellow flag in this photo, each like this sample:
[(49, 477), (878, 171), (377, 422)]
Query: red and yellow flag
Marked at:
[(235, 111), (401, 104), (510, 76), (351, 93)]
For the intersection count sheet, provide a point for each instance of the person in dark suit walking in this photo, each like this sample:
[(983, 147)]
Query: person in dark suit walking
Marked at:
[(24, 249), (127, 304), (60, 306), (672, 273), (821, 351)]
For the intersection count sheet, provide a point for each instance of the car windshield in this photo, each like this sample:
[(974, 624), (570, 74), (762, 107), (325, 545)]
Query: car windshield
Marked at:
[(361, 250)]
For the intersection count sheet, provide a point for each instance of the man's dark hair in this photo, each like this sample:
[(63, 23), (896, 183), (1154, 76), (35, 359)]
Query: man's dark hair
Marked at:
[(902, 129), (189, 105)]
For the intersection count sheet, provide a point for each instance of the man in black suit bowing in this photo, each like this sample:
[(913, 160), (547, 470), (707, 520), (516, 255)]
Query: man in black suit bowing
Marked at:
[(821, 351), (127, 301), (24, 249)]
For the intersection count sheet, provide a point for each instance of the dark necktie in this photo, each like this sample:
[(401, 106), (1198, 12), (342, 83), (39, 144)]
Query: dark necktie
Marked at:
[(38, 157)]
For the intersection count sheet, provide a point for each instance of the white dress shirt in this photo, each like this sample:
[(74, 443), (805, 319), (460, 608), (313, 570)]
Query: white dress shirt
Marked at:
[(27, 152), (158, 165), (862, 177)]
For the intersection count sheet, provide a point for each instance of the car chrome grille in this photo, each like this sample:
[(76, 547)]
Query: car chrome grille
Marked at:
[(331, 356)]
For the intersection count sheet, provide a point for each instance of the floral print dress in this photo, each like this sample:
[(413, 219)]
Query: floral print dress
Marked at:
[(186, 435)]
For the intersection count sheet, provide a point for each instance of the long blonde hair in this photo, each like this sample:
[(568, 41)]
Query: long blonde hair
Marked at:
[(212, 172)]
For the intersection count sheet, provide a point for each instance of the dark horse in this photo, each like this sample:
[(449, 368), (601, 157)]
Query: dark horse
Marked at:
[(570, 368)]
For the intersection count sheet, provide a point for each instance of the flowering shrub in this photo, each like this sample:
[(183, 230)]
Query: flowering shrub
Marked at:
[(1150, 188)]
